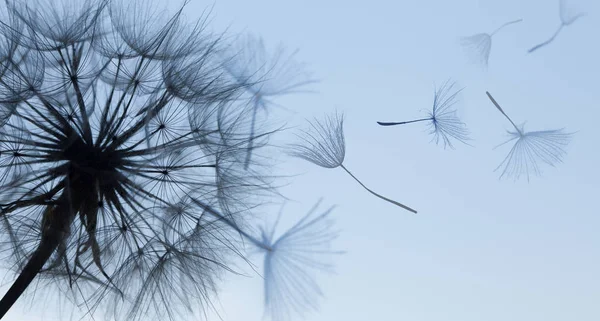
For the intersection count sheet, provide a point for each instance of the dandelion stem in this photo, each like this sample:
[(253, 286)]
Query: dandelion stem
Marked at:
[(51, 238), (403, 122), (378, 195), (503, 113), (251, 140), (536, 47), (30, 271), (504, 25)]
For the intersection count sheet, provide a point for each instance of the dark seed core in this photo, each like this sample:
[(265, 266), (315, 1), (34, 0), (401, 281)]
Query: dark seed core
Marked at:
[(91, 159)]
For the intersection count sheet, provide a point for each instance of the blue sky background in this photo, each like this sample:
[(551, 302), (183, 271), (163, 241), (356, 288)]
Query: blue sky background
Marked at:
[(480, 248)]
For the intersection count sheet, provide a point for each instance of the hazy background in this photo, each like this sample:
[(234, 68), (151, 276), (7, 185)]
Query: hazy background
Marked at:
[(480, 248)]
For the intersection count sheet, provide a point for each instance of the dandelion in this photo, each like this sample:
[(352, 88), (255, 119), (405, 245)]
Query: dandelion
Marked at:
[(531, 149), (266, 75), (117, 138), (444, 124), (479, 45), (567, 17), (324, 145)]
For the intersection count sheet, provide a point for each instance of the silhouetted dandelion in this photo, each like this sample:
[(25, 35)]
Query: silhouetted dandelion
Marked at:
[(118, 137), (567, 17), (479, 45), (266, 75), (531, 148), (324, 145), (443, 121)]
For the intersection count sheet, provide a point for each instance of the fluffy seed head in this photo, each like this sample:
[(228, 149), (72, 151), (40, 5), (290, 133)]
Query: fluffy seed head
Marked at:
[(323, 144), (118, 131)]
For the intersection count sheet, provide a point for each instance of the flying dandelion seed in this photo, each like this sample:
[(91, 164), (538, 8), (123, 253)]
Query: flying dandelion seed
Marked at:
[(567, 17), (266, 75), (444, 123), (118, 134), (292, 261), (324, 145), (531, 149), (479, 45)]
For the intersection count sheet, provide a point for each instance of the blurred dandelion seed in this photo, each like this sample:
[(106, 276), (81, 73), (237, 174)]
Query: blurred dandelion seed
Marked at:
[(567, 17), (266, 75), (324, 145), (479, 45), (292, 260), (531, 148), (444, 123)]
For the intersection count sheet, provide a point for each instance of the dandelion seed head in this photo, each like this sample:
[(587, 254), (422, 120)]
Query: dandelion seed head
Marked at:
[(323, 144), (531, 150), (292, 262), (267, 73), (445, 124), (478, 47), (567, 13), (50, 23)]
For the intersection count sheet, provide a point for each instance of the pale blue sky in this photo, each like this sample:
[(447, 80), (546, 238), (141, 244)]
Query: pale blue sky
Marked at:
[(480, 248)]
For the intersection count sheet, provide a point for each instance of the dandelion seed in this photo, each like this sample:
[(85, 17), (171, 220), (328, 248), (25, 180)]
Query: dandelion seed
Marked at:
[(479, 45), (531, 149), (444, 124), (324, 145), (292, 260), (266, 75), (567, 17)]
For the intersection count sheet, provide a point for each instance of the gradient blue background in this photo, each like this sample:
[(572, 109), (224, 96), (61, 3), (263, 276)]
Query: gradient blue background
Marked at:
[(480, 248)]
